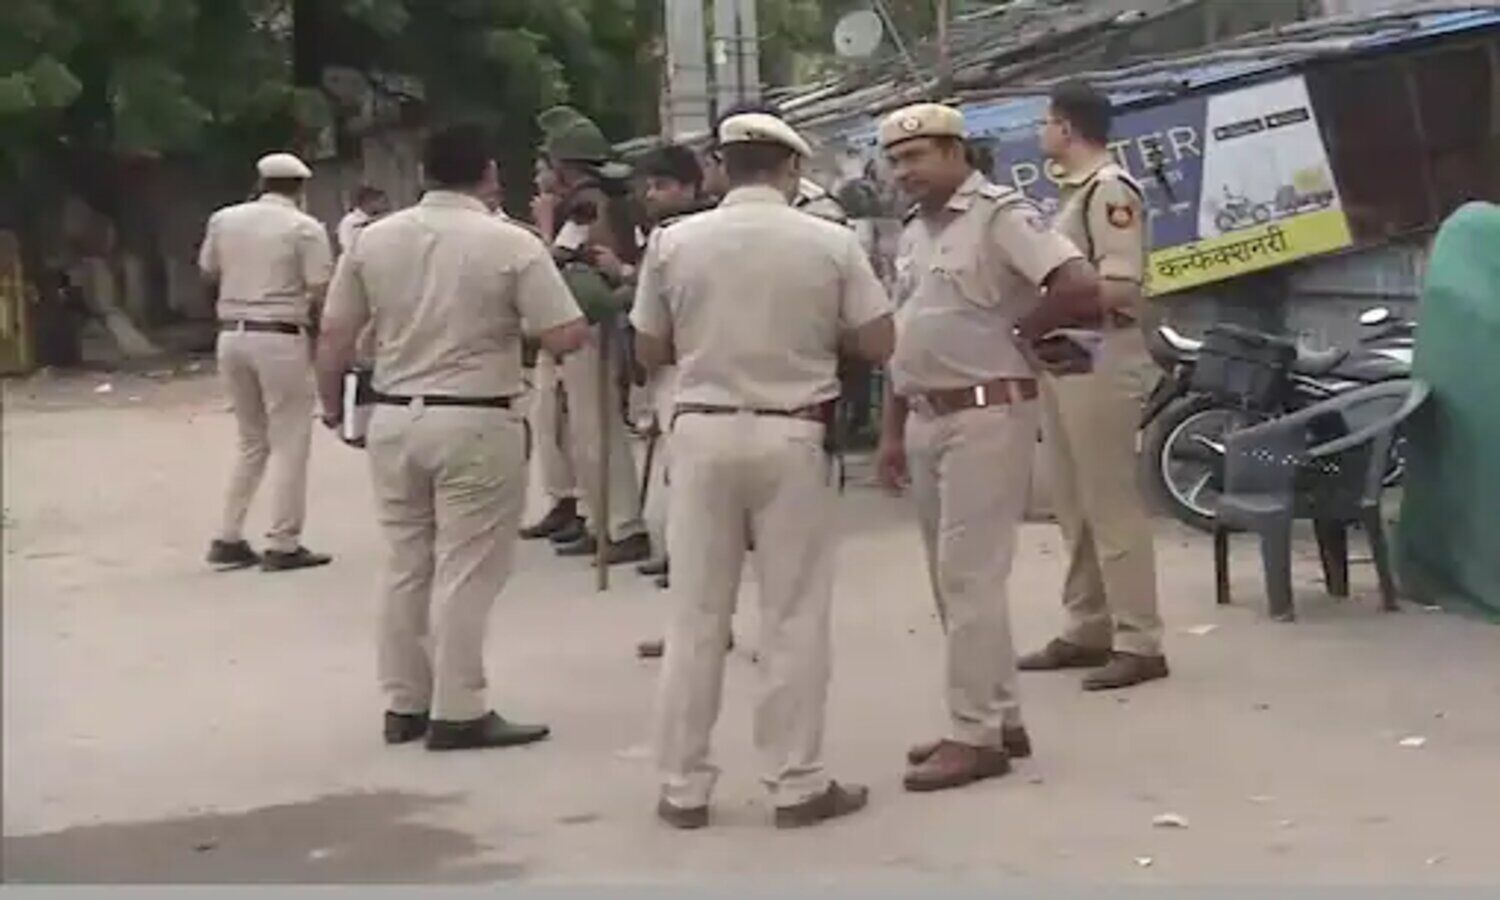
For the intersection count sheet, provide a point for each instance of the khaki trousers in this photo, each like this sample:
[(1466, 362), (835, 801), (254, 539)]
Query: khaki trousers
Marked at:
[(580, 372), (269, 379), (450, 484), (734, 477), (969, 476), (663, 392), (549, 431), (1091, 422)]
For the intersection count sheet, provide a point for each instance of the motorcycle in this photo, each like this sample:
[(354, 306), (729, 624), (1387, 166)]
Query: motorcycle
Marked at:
[(1183, 428), (1238, 211)]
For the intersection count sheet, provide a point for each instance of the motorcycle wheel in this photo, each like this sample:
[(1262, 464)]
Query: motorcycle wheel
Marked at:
[(1181, 458), (1226, 222)]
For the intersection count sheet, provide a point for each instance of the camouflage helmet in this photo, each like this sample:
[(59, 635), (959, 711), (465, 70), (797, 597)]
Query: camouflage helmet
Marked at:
[(557, 118), (578, 141)]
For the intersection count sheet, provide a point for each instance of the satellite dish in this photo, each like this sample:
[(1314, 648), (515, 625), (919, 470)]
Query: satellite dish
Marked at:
[(858, 34)]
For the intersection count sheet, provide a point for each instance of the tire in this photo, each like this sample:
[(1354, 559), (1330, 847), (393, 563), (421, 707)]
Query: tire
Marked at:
[(1261, 214), (1172, 431), (1226, 222)]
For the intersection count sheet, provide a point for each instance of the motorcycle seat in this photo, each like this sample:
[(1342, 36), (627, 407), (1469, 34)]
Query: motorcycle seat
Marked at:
[(1319, 362), (1368, 367)]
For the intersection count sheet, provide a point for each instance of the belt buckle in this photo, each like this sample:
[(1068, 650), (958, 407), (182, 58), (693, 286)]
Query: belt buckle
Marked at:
[(981, 396), (417, 405)]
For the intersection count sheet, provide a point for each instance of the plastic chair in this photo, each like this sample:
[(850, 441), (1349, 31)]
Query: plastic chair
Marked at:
[(1326, 463)]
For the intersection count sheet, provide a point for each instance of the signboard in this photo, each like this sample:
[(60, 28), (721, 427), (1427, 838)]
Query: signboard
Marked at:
[(1248, 181)]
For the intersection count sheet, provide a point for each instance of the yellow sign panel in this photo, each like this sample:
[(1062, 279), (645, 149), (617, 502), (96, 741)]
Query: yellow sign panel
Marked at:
[(1248, 250)]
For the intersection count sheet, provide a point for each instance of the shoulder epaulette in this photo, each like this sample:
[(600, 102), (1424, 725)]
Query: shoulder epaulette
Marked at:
[(1112, 171), (1001, 195)]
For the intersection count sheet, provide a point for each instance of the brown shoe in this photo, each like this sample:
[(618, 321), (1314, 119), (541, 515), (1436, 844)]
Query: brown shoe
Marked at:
[(954, 765), (1124, 670), (1059, 654), (838, 800), (1013, 738), (685, 817)]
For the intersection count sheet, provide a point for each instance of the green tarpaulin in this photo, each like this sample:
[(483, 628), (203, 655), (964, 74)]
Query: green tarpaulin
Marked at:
[(1449, 533)]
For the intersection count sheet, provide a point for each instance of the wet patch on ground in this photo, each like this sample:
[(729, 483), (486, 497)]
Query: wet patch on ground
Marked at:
[(346, 838)]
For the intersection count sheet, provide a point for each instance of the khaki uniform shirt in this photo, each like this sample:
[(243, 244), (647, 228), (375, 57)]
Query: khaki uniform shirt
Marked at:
[(964, 279), (449, 288), (268, 256), (754, 295), (1103, 215)]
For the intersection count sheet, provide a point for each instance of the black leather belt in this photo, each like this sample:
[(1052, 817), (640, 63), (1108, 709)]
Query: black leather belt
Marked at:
[(439, 400), (249, 325), (818, 412)]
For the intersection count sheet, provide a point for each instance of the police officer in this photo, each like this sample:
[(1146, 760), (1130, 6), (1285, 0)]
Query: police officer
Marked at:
[(979, 278), (449, 288), (370, 203), (672, 187), (270, 262), (756, 348), (811, 198), (1091, 416), (595, 230)]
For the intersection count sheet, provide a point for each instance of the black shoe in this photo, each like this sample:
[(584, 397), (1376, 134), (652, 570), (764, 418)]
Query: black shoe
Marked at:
[(836, 802), (584, 546), (653, 567), (403, 728), (663, 581), (572, 533), (657, 648), (227, 555), (560, 516), (686, 818), (633, 549), (489, 730), (285, 561)]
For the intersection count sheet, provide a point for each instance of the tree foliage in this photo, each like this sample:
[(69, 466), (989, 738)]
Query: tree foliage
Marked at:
[(90, 80), (91, 88)]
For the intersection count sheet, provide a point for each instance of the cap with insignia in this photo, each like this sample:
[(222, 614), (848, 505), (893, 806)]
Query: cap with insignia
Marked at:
[(760, 128), (282, 165), (929, 120)]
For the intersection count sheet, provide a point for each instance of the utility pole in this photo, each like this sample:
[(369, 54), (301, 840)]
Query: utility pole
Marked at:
[(944, 53), (686, 108), (736, 50)]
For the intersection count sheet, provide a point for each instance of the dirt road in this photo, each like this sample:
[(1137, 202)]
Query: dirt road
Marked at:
[(166, 723)]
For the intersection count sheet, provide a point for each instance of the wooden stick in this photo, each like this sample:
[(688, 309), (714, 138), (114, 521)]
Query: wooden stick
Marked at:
[(601, 529)]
